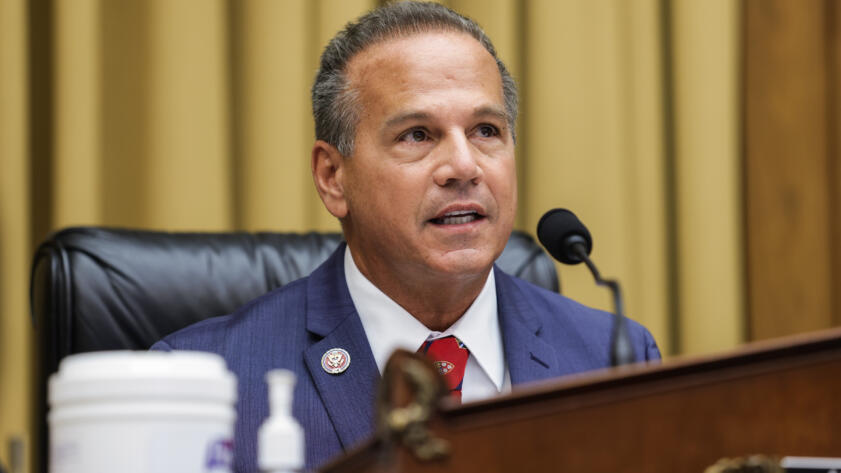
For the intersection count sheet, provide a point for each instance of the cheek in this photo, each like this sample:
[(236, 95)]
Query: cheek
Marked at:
[(505, 184), (391, 193), (513, 174), (513, 196)]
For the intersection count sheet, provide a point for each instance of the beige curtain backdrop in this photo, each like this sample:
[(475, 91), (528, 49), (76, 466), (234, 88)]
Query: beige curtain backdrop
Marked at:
[(194, 114)]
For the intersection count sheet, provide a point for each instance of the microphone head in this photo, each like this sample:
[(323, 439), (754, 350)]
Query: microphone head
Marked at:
[(558, 230)]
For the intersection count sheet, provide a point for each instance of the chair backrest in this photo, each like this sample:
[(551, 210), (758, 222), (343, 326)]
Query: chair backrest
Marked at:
[(109, 289)]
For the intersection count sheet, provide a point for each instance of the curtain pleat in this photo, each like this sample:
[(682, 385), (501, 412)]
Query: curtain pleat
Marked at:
[(707, 176), (272, 123), (77, 163), (188, 128), (15, 247)]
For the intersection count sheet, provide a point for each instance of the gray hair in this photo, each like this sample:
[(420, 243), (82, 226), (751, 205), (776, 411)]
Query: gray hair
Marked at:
[(335, 106)]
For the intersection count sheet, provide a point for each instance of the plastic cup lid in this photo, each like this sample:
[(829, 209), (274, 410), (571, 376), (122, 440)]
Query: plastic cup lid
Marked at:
[(129, 375)]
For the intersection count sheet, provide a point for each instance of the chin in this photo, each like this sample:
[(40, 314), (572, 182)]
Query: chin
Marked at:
[(465, 263)]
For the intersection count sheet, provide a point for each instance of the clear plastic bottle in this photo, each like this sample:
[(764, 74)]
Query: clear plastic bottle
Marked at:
[(280, 444)]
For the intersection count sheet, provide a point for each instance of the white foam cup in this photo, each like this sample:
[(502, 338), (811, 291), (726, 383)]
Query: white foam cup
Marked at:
[(142, 412)]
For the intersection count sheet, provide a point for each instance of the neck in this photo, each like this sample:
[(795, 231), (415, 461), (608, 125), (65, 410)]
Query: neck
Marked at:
[(437, 301), (440, 305)]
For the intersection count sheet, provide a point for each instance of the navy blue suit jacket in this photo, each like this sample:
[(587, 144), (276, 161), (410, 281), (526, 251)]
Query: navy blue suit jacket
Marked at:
[(544, 335)]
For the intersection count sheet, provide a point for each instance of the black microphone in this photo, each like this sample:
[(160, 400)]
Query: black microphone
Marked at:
[(569, 241), (559, 230)]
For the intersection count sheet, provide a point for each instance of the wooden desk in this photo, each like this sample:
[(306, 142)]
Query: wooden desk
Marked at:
[(778, 398)]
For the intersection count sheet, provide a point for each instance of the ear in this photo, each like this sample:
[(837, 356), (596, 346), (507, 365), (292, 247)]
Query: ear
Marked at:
[(327, 172)]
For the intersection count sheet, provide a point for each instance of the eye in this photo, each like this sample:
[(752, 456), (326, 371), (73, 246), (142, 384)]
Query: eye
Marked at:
[(487, 131), (416, 135)]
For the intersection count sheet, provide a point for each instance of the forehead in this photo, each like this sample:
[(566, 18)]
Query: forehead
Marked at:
[(433, 64)]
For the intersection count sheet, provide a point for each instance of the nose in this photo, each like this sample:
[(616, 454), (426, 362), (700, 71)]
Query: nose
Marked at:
[(458, 163)]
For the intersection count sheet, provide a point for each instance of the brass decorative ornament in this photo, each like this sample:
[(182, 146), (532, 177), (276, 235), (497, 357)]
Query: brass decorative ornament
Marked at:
[(409, 393), (749, 464)]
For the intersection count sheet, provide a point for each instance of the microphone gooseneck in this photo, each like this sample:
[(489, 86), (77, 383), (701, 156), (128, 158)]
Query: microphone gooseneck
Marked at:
[(569, 241)]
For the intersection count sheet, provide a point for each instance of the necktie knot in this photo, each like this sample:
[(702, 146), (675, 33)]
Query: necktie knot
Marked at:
[(449, 355)]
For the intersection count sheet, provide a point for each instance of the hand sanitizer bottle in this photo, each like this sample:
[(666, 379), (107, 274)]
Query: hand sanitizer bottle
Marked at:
[(280, 446)]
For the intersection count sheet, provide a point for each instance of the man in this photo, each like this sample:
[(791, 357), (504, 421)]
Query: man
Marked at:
[(415, 156)]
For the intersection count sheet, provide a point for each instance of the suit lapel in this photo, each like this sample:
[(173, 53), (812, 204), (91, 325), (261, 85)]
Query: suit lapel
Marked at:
[(530, 358), (349, 396)]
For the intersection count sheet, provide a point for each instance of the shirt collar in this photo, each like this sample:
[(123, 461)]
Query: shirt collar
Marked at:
[(389, 326)]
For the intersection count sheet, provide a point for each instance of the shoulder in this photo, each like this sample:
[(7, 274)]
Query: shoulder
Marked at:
[(548, 305), (559, 316), (277, 311)]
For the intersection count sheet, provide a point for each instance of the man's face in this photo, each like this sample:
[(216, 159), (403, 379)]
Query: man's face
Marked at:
[(431, 186)]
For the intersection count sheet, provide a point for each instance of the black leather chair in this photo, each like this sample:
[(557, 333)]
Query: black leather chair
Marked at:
[(109, 289)]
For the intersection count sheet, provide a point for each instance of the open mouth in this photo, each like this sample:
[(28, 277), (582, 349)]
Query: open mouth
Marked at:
[(457, 217)]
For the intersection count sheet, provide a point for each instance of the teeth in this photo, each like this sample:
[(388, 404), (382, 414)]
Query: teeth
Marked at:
[(458, 213), (459, 219)]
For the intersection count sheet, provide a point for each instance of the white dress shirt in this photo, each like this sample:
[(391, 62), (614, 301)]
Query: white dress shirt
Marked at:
[(389, 326)]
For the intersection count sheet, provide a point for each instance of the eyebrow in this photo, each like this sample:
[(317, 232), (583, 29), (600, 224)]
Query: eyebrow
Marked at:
[(483, 111), (405, 117), (489, 110)]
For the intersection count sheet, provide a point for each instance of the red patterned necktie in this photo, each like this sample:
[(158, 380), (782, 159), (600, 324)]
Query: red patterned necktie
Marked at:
[(450, 358)]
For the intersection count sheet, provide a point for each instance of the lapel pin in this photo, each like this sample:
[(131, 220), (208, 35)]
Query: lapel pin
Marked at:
[(335, 360)]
